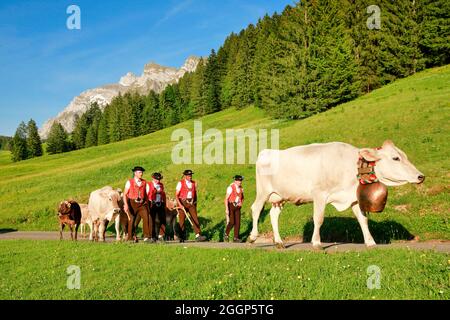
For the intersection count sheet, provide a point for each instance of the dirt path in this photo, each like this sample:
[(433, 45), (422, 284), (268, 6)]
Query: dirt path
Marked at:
[(440, 246)]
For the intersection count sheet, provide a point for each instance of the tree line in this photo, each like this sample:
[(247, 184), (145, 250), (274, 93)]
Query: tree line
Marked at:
[(26, 142), (5, 143), (308, 59)]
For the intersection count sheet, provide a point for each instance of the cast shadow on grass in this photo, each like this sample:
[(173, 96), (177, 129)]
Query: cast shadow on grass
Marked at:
[(347, 230), (248, 228), (218, 228), (7, 230)]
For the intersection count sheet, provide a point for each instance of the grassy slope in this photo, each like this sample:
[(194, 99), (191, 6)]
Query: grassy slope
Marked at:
[(232, 273), (5, 157), (413, 112)]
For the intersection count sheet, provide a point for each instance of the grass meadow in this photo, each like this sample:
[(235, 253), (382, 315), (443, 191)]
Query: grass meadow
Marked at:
[(413, 112)]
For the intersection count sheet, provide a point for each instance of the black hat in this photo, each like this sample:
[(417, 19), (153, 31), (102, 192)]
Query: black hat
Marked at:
[(157, 175), (238, 178), (138, 169), (188, 172)]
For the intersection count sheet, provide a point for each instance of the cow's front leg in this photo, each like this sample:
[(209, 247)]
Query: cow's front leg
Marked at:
[(364, 223), (257, 207), (102, 230), (91, 231), (274, 215), (117, 225), (76, 231), (71, 231), (61, 229), (319, 209)]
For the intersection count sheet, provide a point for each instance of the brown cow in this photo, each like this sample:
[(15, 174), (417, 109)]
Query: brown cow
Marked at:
[(171, 217), (69, 213)]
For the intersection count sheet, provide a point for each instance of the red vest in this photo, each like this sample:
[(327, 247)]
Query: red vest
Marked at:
[(184, 189), (236, 197), (135, 192), (153, 191)]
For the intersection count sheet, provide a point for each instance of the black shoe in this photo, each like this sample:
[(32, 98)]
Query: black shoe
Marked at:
[(181, 240), (237, 240), (200, 238), (226, 238)]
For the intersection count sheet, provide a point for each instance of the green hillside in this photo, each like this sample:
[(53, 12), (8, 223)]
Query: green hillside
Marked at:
[(413, 112), (5, 157)]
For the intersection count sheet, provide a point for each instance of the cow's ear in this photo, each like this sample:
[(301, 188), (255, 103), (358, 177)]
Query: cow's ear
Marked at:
[(369, 154), (388, 143)]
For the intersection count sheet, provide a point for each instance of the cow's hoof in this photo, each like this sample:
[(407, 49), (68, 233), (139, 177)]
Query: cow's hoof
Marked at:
[(317, 247), (371, 244), (280, 245), (251, 239)]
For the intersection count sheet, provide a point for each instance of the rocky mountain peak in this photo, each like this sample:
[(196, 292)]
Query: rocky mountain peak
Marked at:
[(154, 77)]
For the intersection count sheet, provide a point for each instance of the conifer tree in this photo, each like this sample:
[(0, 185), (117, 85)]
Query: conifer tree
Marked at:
[(19, 149), (57, 141), (34, 144), (211, 81)]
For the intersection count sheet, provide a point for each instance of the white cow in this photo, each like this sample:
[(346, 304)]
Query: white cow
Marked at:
[(104, 206), (322, 174), (85, 219)]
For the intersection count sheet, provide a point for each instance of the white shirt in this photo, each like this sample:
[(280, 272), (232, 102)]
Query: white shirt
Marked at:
[(158, 190)]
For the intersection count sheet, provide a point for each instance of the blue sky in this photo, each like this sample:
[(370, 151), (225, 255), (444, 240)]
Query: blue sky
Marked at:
[(43, 64)]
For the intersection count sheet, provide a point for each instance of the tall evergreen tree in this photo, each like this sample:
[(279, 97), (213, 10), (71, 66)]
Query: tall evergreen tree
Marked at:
[(19, 150), (434, 28), (198, 101), (34, 144), (228, 78), (184, 87), (57, 141), (330, 67), (91, 136), (151, 114), (211, 80), (114, 120), (243, 72), (103, 130), (82, 124)]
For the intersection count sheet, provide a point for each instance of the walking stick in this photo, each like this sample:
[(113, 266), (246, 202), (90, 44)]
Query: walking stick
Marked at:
[(188, 215)]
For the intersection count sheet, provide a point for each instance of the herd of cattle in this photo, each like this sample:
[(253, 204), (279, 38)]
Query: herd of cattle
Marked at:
[(319, 173), (105, 205)]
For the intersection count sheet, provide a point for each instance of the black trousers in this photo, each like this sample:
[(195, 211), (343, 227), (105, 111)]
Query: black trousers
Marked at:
[(160, 212)]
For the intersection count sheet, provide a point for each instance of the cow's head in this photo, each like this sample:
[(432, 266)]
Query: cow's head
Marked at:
[(114, 198), (64, 208), (392, 165)]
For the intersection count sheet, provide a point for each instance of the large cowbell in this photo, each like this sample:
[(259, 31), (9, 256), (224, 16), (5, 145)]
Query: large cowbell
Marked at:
[(372, 197)]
